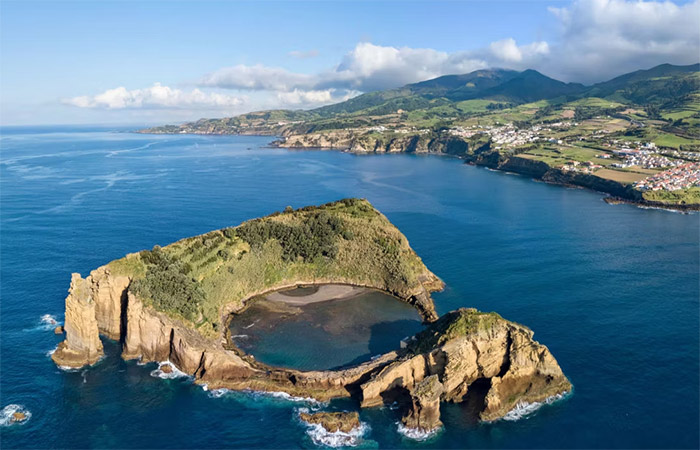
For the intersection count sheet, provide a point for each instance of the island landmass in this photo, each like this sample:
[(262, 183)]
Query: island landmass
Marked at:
[(173, 304)]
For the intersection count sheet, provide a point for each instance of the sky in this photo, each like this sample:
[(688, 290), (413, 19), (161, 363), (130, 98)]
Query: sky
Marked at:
[(141, 62)]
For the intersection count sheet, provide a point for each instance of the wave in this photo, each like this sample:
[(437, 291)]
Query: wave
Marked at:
[(215, 393), (285, 396), (220, 392), (524, 409), (46, 322), (50, 353), (174, 371), (322, 437), (249, 326), (240, 336), (7, 413), (417, 434), (109, 180), (48, 319)]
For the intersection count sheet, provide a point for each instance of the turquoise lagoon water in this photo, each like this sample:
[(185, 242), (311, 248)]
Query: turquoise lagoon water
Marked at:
[(612, 290)]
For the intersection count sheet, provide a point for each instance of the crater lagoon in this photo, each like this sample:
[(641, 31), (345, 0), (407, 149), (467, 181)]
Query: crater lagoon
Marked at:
[(612, 290), (323, 327)]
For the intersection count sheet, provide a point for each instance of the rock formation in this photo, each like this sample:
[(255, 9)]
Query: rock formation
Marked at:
[(82, 345), (424, 412), (333, 421), (93, 307), (465, 349)]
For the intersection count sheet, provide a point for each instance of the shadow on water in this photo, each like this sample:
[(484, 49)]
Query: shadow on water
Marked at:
[(383, 339)]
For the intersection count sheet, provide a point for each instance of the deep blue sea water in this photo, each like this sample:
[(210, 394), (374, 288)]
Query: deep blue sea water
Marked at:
[(612, 290)]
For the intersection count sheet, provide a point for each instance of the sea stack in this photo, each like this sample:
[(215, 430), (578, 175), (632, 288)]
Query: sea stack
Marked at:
[(424, 413), (82, 345)]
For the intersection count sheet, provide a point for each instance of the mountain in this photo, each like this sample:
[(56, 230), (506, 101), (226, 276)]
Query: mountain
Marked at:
[(496, 84), (449, 98), (659, 85)]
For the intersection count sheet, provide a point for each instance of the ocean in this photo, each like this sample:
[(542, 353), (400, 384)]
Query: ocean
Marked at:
[(612, 290)]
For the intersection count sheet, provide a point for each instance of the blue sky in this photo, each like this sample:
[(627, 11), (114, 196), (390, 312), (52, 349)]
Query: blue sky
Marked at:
[(99, 62)]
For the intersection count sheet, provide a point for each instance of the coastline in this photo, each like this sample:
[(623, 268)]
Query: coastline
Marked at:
[(614, 192), (323, 293)]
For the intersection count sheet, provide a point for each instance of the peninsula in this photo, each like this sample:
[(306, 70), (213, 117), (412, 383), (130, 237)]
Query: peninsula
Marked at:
[(634, 137), (174, 303)]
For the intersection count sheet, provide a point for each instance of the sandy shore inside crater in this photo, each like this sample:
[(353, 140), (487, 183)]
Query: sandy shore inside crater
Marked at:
[(322, 293)]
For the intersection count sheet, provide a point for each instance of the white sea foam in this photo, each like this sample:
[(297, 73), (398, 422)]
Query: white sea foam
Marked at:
[(7, 412), (524, 409), (240, 336), (415, 433), (50, 353), (176, 373), (285, 396), (46, 322), (48, 319), (249, 326), (322, 437), (218, 393)]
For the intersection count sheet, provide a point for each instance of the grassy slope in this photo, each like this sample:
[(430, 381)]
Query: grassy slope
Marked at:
[(679, 197), (227, 270)]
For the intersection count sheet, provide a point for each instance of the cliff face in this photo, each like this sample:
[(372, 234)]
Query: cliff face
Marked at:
[(469, 350), (370, 143), (591, 181), (460, 352), (93, 306)]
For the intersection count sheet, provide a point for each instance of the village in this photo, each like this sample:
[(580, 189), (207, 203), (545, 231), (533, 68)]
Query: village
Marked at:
[(680, 177)]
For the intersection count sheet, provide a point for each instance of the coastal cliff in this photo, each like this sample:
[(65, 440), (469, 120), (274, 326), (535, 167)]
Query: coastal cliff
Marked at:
[(363, 142), (461, 349), (470, 350), (94, 306)]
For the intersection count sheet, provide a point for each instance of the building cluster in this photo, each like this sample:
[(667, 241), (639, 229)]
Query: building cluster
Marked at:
[(502, 136), (647, 161), (408, 130), (623, 147), (680, 177), (584, 167), (690, 156), (465, 132)]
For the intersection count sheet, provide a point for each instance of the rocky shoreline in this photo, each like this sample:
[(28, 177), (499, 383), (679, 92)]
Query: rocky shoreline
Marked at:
[(451, 146), (519, 369), (617, 193)]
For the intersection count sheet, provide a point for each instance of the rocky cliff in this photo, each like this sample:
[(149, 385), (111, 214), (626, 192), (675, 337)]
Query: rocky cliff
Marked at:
[(469, 351), (364, 142), (94, 306)]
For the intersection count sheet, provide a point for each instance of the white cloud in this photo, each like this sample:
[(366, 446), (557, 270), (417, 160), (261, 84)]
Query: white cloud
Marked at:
[(508, 51), (257, 77), (299, 54), (599, 39), (301, 98), (593, 40), (370, 67), (156, 97)]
